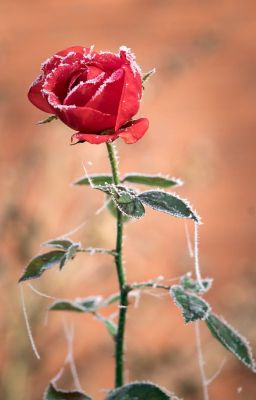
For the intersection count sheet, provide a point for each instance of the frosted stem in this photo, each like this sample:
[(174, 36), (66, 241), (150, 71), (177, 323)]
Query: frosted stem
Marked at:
[(201, 362), (196, 256), (32, 342)]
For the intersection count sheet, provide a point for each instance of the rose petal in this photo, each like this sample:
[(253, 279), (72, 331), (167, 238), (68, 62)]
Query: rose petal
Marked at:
[(58, 80), (75, 49), (93, 72), (107, 97), (134, 131), (57, 58), (107, 61), (85, 119), (50, 64), (131, 94), (93, 139), (36, 97), (83, 91)]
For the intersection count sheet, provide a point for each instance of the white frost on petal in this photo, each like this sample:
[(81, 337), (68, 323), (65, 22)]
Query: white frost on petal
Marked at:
[(64, 107), (114, 77), (92, 81), (91, 48), (35, 82), (131, 58), (43, 64)]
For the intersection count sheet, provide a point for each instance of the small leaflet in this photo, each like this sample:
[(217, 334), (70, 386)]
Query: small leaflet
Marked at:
[(193, 307), (59, 243), (125, 199), (47, 120), (192, 285), (140, 391), (147, 75), (131, 208), (70, 254), (231, 340), (53, 393)]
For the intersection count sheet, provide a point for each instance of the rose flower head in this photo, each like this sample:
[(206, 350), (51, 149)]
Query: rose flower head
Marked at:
[(95, 93)]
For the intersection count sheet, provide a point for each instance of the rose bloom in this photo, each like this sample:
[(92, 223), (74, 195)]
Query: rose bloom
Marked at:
[(95, 93)]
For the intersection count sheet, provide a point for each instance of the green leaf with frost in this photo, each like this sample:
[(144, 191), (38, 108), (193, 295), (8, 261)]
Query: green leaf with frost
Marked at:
[(168, 203), (140, 391), (192, 285), (152, 180), (70, 254), (231, 340), (127, 201), (112, 208), (193, 307)]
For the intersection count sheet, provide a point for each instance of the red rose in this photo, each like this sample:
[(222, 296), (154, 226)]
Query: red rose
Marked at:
[(96, 94)]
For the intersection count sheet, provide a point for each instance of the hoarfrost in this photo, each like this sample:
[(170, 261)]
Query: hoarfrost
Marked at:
[(130, 57)]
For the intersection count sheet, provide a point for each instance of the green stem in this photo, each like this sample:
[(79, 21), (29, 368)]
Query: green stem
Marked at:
[(119, 349)]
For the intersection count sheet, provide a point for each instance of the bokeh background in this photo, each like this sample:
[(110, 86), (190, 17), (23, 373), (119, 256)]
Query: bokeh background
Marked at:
[(201, 106)]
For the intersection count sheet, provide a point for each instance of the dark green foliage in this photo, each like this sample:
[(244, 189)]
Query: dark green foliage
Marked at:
[(151, 180), (41, 263), (128, 203), (231, 340), (192, 285), (193, 307), (168, 203), (140, 391)]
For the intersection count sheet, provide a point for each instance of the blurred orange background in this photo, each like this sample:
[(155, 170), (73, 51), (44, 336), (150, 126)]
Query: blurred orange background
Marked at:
[(201, 106)]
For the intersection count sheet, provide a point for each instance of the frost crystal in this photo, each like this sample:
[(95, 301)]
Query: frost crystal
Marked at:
[(127, 53), (114, 77)]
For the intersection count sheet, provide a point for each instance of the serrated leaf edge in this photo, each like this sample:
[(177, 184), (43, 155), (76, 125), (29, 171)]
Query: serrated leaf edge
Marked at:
[(208, 279), (207, 313), (124, 213), (179, 182), (193, 212), (244, 339), (147, 382)]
